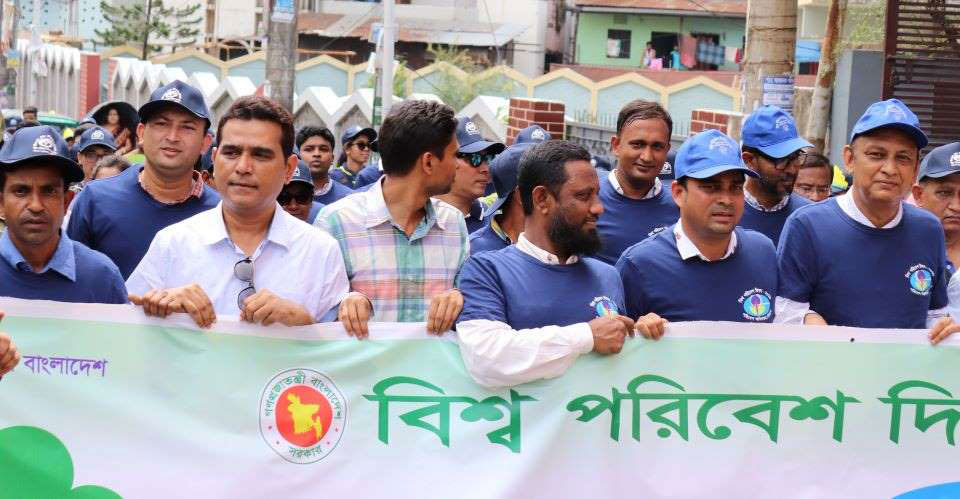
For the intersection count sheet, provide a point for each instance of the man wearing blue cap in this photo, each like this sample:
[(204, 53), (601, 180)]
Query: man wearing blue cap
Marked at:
[(94, 144), (120, 215), (533, 134), (473, 173), (938, 191), (352, 169), (504, 219), (37, 262), (315, 146), (636, 204), (897, 276), (296, 198), (507, 338), (246, 257), (772, 148), (704, 267)]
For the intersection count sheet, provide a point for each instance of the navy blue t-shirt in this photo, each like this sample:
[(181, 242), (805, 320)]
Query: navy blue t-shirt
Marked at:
[(336, 193), (513, 287), (74, 274), (486, 239), (626, 221), (860, 276), (116, 217), (770, 223), (474, 222), (315, 208), (741, 288), (366, 176)]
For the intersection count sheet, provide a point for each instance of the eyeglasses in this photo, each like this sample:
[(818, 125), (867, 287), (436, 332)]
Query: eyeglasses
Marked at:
[(477, 158), (363, 146), (301, 198), (243, 270), (91, 154), (800, 157)]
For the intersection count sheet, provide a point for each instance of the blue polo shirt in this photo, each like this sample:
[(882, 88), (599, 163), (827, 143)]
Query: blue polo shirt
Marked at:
[(770, 223), (740, 288), (474, 220), (337, 192), (366, 176), (860, 276), (627, 221), (487, 239), (513, 287), (116, 217), (75, 274), (314, 211)]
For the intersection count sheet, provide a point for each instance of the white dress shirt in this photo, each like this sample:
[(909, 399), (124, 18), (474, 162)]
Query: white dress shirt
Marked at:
[(497, 355), (688, 249), (652, 193), (295, 261), (755, 203), (793, 312)]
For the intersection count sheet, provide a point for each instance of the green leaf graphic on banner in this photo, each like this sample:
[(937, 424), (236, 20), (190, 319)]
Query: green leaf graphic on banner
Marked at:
[(35, 463)]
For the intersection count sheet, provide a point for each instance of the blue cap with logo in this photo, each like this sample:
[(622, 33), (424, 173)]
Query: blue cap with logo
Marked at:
[(471, 141), (41, 144), (709, 153), (355, 130), (940, 162), (505, 171), (96, 136), (179, 94), (302, 174), (890, 113), (773, 131), (534, 134)]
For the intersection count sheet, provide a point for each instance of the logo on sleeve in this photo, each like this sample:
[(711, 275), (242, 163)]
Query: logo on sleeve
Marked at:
[(756, 305), (920, 278), (604, 307)]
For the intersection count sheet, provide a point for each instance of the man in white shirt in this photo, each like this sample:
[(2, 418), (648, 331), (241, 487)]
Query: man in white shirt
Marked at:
[(532, 308), (247, 256)]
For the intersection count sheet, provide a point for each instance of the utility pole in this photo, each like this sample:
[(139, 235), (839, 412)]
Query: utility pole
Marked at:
[(386, 56), (819, 114), (771, 46), (282, 51)]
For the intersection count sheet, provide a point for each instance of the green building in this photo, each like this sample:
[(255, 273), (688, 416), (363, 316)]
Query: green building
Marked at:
[(615, 32)]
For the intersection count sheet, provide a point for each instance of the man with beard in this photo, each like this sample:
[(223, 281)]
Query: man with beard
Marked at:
[(403, 249), (37, 261), (774, 150), (897, 274), (316, 150), (635, 203), (704, 268), (473, 173), (532, 308)]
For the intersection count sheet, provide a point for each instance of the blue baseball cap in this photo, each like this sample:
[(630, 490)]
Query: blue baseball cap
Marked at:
[(505, 171), (890, 113), (940, 162), (773, 131), (302, 174), (534, 134), (471, 141), (96, 136), (40, 144), (355, 130), (179, 94), (709, 153)]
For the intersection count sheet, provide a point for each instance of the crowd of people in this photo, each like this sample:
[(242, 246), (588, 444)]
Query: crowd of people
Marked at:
[(530, 253)]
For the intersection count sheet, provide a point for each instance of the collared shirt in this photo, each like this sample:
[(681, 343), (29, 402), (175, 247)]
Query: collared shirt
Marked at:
[(325, 189), (849, 207), (688, 249), (752, 201), (502, 234), (294, 261), (196, 189), (652, 193), (400, 274), (524, 245), (74, 273)]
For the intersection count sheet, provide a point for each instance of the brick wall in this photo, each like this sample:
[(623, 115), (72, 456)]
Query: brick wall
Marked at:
[(728, 122), (89, 95), (546, 113)]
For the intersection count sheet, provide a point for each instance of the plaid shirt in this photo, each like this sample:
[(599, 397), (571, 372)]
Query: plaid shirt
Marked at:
[(399, 274), (708, 53)]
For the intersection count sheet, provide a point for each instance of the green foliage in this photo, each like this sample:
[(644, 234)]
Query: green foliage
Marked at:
[(864, 24), (456, 91), (140, 25)]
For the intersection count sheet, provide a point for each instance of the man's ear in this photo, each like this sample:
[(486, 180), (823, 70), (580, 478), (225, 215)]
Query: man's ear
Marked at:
[(67, 199), (292, 162), (918, 194), (541, 199), (678, 191), (140, 128)]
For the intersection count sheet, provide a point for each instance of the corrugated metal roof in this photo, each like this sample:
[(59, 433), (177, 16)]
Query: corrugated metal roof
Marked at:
[(688, 7), (412, 30)]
